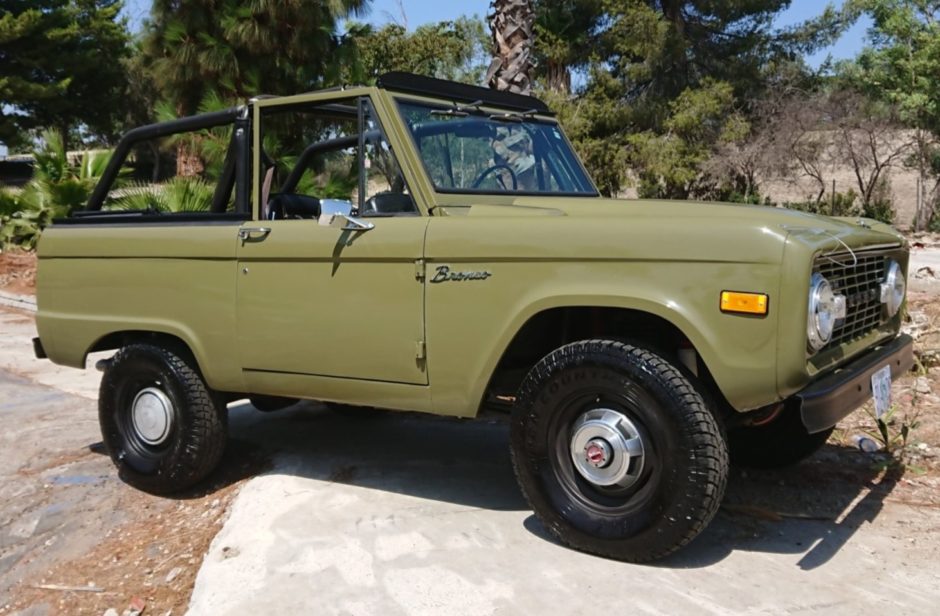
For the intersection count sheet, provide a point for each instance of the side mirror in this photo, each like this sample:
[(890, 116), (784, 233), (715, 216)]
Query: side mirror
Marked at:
[(337, 213)]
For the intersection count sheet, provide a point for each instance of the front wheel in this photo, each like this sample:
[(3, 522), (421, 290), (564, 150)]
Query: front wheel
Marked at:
[(163, 427), (616, 452)]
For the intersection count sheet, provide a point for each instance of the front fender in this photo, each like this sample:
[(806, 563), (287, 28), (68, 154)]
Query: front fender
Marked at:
[(467, 338)]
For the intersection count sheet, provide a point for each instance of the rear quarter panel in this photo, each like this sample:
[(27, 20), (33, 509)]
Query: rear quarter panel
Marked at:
[(94, 280)]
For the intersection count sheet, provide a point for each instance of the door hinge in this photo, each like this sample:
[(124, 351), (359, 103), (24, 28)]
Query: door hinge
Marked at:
[(419, 350), (420, 269)]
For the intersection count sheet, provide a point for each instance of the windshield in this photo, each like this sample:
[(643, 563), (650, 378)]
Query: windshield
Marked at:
[(468, 151)]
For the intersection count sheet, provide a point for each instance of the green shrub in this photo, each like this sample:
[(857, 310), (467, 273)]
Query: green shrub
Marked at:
[(57, 188), (180, 194)]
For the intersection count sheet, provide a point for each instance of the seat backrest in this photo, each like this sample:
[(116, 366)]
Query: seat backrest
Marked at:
[(283, 206), (390, 203)]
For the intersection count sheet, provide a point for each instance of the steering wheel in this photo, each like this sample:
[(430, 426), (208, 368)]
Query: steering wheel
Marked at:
[(489, 170)]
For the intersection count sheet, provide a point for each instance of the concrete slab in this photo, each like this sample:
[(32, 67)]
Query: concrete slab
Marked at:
[(413, 515), (17, 330), (48, 472)]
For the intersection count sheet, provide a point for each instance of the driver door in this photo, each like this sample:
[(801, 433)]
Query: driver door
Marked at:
[(321, 301)]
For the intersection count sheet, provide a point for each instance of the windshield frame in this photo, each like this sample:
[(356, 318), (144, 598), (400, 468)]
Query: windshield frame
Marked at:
[(591, 192)]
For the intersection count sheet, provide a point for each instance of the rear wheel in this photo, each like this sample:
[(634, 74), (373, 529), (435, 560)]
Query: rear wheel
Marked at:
[(616, 452), (163, 427)]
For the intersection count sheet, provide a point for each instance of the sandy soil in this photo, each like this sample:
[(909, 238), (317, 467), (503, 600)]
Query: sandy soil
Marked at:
[(18, 271)]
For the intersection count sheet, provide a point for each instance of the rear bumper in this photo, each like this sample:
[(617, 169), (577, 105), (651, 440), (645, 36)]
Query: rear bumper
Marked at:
[(825, 402), (38, 350)]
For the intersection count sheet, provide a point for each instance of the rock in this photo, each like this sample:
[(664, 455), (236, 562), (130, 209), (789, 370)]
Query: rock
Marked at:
[(922, 385), (173, 574), (136, 607), (925, 272), (110, 612)]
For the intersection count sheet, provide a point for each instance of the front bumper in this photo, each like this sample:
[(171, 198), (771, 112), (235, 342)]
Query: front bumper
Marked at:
[(825, 402)]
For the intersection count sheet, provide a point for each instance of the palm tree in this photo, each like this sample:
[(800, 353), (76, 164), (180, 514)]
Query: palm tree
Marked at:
[(59, 185), (511, 24), (565, 31), (232, 50)]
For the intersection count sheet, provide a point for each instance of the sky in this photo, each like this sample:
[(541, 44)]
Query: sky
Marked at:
[(418, 12)]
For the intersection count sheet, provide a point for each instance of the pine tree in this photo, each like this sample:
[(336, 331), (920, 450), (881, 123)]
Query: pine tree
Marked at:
[(60, 66)]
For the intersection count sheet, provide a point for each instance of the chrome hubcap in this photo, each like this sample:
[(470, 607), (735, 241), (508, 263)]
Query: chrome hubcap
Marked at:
[(607, 448), (152, 415)]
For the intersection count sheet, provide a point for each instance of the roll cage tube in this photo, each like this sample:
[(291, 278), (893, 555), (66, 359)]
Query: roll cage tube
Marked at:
[(236, 115)]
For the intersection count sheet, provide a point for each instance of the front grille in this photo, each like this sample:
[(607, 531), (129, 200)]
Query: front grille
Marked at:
[(859, 279)]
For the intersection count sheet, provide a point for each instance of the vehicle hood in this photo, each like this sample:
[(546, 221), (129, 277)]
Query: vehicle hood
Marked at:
[(719, 228)]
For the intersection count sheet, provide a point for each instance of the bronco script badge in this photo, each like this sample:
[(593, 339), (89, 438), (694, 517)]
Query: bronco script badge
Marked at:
[(443, 274)]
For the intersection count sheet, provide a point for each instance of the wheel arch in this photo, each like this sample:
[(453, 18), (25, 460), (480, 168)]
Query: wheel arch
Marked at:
[(121, 338), (547, 328)]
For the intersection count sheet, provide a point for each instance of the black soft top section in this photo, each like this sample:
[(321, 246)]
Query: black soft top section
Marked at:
[(407, 83)]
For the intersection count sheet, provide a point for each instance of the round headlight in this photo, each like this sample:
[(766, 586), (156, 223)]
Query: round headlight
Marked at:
[(892, 291), (822, 317)]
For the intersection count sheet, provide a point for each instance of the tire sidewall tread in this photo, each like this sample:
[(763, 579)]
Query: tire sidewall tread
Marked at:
[(198, 436), (688, 495)]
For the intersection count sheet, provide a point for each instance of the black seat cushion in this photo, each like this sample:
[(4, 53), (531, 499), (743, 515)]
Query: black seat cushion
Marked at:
[(390, 203), (290, 205)]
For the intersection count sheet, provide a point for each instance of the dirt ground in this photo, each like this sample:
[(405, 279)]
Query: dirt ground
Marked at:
[(18, 271), (78, 541), (74, 539)]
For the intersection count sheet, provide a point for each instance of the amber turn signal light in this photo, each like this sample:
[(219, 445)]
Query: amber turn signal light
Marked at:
[(744, 303)]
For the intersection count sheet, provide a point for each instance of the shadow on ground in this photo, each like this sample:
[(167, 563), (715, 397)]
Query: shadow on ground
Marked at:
[(812, 509)]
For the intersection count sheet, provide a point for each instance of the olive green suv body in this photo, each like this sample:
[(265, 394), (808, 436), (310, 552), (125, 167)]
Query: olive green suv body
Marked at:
[(480, 250)]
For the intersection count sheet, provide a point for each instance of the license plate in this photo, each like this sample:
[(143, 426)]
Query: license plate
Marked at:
[(881, 390)]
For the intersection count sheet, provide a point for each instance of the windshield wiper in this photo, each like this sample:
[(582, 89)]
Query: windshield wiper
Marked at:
[(514, 118), (458, 111), (510, 116)]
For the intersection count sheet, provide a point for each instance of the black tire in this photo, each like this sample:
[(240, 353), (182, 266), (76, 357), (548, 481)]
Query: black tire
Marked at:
[(192, 432), (685, 461), (352, 411), (271, 404), (779, 443)]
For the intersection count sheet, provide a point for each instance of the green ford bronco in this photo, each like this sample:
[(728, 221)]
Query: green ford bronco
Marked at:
[(429, 246)]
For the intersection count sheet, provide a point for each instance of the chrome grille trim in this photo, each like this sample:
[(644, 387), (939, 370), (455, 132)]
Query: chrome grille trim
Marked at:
[(859, 278)]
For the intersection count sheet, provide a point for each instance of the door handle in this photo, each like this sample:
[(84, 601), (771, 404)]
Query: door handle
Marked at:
[(253, 233)]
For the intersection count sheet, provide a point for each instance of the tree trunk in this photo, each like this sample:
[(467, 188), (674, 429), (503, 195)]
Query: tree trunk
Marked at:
[(188, 162), (511, 24), (559, 78), (64, 129), (924, 211)]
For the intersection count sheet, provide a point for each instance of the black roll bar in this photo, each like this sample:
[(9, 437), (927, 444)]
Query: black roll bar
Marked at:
[(152, 131)]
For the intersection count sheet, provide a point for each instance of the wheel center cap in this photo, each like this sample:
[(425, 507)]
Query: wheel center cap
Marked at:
[(152, 413), (606, 448), (597, 453)]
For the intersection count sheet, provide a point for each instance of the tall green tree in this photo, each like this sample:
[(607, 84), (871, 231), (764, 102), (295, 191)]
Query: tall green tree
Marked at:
[(238, 49), (210, 50), (678, 76), (60, 66), (455, 50), (899, 66), (564, 35)]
